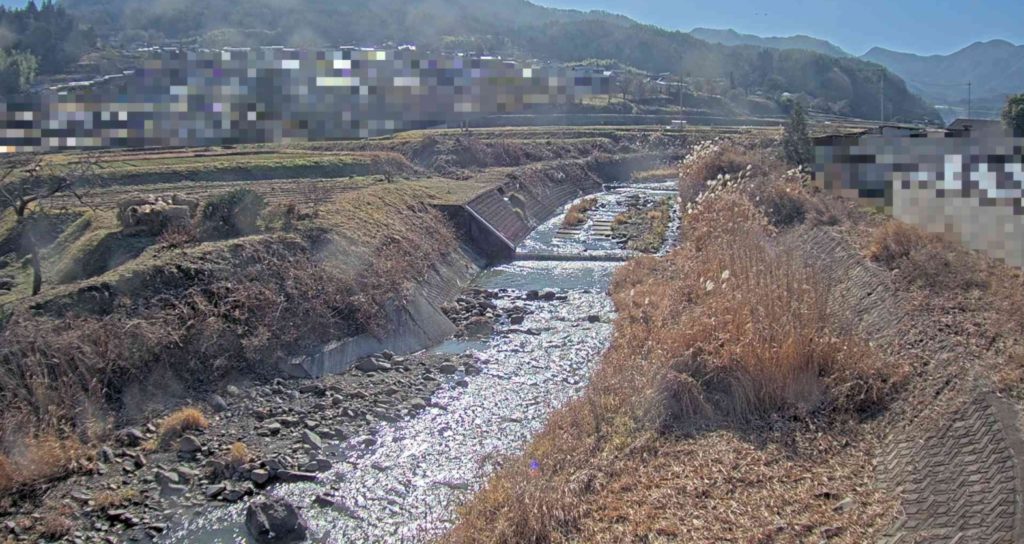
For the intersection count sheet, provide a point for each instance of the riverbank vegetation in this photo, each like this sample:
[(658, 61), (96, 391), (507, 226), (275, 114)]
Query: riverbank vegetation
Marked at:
[(142, 313), (195, 311), (643, 228), (577, 212), (738, 402)]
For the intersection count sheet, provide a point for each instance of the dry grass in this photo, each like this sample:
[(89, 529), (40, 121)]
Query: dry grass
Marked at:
[(728, 408), (238, 454), (926, 260), (179, 422), (36, 458), (656, 174), (108, 499), (709, 160), (55, 525), (577, 213), (200, 311)]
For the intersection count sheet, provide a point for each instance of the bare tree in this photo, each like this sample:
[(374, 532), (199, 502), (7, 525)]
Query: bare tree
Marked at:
[(26, 181), (315, 193)]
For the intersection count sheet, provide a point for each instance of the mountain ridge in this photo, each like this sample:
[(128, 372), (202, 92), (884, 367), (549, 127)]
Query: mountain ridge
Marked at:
[(515, 28), (730, 36)]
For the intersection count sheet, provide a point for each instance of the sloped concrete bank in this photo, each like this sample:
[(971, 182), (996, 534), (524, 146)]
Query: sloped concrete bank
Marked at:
[(489, 226)]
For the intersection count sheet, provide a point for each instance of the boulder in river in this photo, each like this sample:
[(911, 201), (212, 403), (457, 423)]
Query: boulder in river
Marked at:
[(312, 440), (275, 521), (478, 327), (367, 365)]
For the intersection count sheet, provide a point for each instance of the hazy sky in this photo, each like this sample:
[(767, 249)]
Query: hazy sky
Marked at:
[(917, 26)]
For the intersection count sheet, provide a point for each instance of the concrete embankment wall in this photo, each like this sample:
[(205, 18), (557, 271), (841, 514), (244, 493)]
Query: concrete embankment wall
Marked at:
[(489, 227), (413, 324), (530, 197)]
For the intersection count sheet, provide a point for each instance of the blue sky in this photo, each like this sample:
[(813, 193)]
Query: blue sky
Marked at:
[(917, 26)]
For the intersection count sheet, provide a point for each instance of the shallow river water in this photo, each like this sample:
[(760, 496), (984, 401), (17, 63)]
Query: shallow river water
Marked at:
[(406, 487)]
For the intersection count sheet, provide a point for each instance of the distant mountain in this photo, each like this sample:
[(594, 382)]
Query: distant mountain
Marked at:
[(731, 37), (517, 28), (994, 68)]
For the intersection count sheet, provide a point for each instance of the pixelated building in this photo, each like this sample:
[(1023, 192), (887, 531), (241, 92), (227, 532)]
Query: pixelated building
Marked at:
[(966, 181), (273, 94)]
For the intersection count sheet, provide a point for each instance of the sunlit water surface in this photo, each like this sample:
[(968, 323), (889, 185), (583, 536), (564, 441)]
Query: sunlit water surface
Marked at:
[(406, 487)]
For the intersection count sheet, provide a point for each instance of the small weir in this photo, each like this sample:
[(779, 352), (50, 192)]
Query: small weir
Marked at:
[(585, 257), (405, 484)]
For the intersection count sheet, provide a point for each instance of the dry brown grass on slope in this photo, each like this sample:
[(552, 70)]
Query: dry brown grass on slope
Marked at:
[(205, 310), (924, 259), (725, 409), (710, 159), (39, 457), (721, 487)]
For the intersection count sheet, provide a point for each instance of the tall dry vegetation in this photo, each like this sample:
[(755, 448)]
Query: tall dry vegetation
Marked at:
[(728, 336), (925, 259)]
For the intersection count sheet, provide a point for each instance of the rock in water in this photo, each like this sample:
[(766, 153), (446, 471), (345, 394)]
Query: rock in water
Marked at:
[(275, 521), (478, 327)]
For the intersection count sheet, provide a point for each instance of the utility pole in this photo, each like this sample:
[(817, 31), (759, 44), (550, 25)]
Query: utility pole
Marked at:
[(968, 99), (682, 71), (881, 95)]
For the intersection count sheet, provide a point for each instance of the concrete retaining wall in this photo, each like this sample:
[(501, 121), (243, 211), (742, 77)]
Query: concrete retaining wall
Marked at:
[(489, 227)]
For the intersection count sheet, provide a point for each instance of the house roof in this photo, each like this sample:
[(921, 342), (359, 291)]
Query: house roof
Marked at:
[(977, 125)]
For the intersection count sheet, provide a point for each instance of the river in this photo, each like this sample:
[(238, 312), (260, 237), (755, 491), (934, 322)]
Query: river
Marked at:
[(406, 487)]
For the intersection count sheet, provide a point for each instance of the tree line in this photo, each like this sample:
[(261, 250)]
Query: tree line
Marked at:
[(36, 40)]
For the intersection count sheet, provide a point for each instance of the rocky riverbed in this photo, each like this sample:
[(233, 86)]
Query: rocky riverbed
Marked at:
[(383, 452), (133, 490)]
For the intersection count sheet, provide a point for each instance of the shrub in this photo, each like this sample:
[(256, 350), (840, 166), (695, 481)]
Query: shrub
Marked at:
[(894, 242), (178, 236), (180, 422), (1013, 114), (577, 213), (924, 259), (230, 214), (783, 205), (708, 160)]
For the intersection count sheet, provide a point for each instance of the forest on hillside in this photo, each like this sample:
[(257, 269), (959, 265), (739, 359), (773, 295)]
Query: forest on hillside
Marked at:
[(48, 38), (38, 39)]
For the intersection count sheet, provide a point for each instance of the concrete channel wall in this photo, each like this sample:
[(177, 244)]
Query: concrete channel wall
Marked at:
[(489, 227)]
